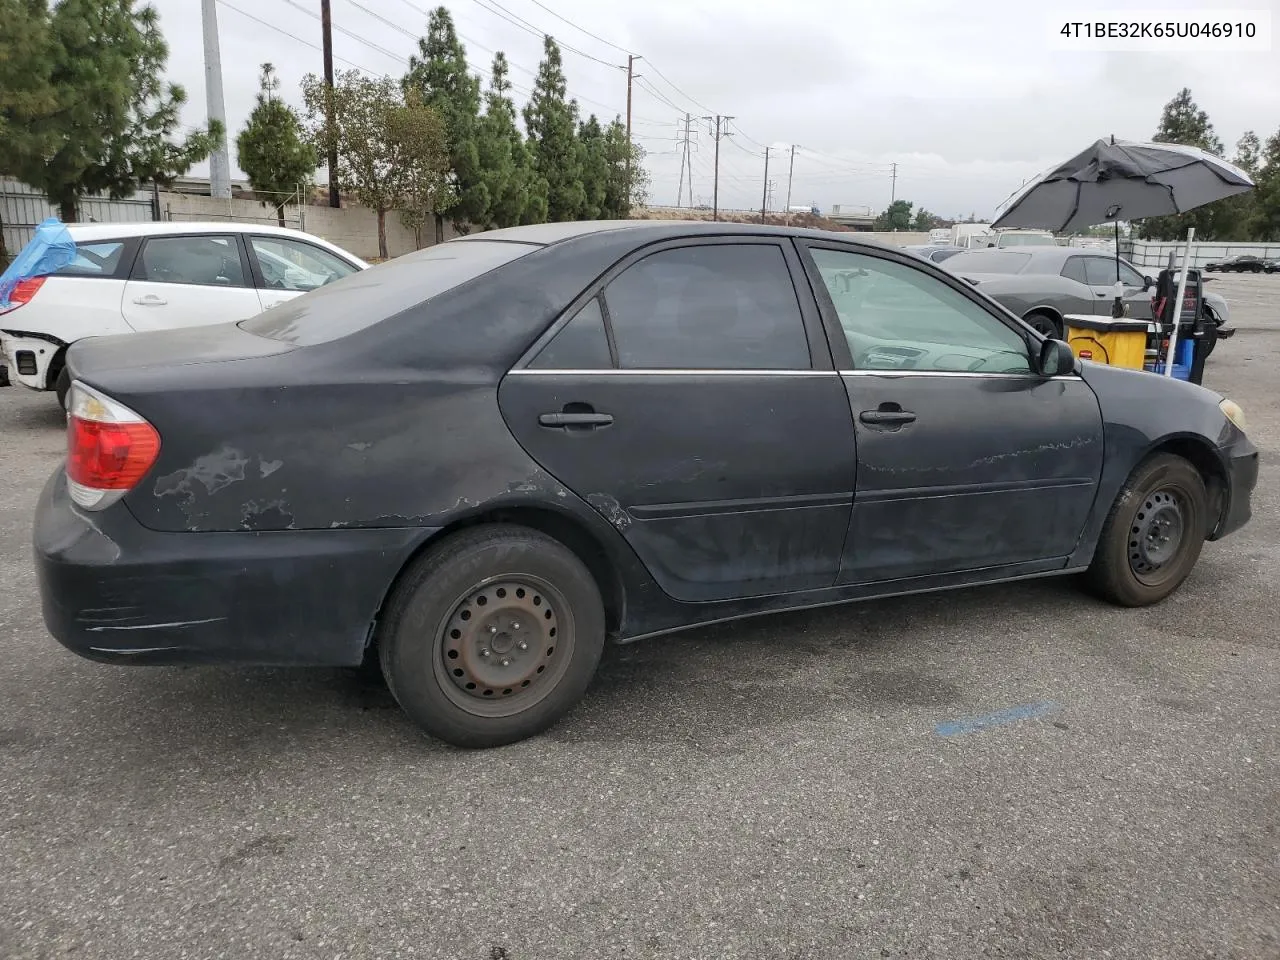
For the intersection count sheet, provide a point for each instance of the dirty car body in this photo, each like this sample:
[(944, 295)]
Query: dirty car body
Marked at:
[(711, 420)]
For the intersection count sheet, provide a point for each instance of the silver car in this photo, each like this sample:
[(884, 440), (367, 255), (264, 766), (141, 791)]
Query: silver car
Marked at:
[(1044, 284)]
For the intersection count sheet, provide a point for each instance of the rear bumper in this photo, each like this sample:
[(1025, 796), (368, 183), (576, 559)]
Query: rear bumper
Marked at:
[(112, 590), (1242, 477)]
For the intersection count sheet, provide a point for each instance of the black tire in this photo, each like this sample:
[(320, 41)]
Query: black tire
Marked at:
[(1044, 323), (1210, 339), (62, 386), (1133, 566), (1256, 269), (455, 627)]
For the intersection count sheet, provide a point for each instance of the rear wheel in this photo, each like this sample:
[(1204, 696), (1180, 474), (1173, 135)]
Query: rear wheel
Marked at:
[(1044, 323), (1153, 535), (492, 635), (62, 386)]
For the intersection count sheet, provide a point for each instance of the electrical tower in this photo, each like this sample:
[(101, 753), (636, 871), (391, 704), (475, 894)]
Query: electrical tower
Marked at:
[(687, 141)]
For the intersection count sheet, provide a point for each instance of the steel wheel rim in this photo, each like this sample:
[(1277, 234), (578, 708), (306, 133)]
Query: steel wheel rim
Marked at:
[(504, 646), (1156, 536)]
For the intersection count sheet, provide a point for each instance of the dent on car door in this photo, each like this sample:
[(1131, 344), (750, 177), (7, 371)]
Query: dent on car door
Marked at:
[(967, 458), (693, 404)]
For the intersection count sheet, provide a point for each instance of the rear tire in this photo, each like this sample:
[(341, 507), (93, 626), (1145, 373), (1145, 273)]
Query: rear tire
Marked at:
[(1153, 535), (62, 386), (491, 636), (1044, 323)]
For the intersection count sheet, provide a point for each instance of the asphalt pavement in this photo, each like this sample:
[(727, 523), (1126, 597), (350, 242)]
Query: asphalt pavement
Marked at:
[(1016, 771)]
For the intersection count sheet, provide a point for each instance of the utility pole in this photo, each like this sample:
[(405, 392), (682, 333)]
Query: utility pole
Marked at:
[(722, 130), (219, 162), (764, 193), (326, 28), (684, 162), (631, 75), (790, 171), (893, 190)]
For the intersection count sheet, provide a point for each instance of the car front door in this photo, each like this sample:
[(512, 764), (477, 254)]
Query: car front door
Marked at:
[(1100, 273), (284, 267), (690, 398), (967, 459), (189, 280)]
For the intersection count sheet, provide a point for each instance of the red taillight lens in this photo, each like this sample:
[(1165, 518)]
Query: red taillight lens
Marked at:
[(110, 456), (22, 292), (109, 447)]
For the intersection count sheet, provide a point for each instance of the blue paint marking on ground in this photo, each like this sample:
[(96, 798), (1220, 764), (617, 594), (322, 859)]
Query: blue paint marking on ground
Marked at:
[(1012, 715)]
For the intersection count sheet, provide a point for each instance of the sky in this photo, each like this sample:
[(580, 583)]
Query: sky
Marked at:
[(968, 99)]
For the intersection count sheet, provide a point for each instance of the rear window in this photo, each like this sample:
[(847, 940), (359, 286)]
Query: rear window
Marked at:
[(988, 261), (366, 297), (97, 259)]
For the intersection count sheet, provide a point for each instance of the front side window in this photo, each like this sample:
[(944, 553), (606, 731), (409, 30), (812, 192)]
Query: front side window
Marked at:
[(205, 260), (1073, 269), (293, 265), (897, 317), (719, 306), (1102, 273)]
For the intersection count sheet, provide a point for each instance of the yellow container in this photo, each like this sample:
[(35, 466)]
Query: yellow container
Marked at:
[(1120, 343)]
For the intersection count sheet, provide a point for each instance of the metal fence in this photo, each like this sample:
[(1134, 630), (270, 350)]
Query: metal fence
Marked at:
[(23, 208)]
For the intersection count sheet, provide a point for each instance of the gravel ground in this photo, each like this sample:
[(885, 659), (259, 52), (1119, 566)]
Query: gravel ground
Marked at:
[(806, 785)]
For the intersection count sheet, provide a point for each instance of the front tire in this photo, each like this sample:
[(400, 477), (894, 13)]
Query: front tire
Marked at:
[(1153, 535), (492, 635), (1044, 323)]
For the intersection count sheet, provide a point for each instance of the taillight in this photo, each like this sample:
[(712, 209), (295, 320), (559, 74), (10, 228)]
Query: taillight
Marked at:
[(109, 448), (22, 293)]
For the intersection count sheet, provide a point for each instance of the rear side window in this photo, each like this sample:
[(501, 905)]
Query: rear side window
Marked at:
[(202, 260), (581, 344), (97, 259), (721, 306), (366, 297)]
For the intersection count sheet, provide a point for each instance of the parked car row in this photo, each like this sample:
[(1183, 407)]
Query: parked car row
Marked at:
[(478, 462), (135, 277), (1245, 263)]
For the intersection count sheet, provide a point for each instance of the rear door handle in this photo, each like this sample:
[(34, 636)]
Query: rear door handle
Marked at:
[(575, 419), (150, 300), (887, 418)]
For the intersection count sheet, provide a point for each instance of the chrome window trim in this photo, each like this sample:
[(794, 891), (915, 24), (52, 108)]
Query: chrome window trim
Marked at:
[(684, 372)]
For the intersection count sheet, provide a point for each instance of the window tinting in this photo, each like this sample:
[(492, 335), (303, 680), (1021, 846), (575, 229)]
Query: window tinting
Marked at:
[(1101, 272), (204, 260), (897, 317), (581, 344), (97, 259), (721, 306), (366, 297), (1073, 269)]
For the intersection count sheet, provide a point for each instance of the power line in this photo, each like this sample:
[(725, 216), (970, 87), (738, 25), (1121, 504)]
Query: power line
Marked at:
[(349, 33), (584, 30), (503, 13), (293, 36)]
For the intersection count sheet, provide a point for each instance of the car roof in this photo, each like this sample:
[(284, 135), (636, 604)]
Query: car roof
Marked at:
[(547, 234), (83, 232)]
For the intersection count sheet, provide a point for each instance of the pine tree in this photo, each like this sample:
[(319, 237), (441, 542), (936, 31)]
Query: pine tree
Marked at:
[(623, 189), (501, 150), (27, 96), (439, 72), (272, 148), (551, 122), (595, 168), (1183, 122), (1266, 199), (112, 125)]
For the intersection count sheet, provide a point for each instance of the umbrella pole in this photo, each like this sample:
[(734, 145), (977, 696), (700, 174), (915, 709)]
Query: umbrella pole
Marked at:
[(1177, 307), (1116, 224)]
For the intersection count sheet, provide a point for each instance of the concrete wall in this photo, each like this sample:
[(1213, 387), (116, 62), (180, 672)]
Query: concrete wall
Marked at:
[(352, 227)]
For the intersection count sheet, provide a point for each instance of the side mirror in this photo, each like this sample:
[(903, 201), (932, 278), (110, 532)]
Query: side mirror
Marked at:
[(1056, 358), (1147, 283)]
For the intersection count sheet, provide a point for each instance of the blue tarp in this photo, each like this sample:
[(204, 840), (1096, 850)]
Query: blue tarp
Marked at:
[(49, 251)]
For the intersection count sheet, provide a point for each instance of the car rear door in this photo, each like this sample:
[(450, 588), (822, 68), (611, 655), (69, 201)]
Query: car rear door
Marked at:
[(967, 460), (186, 280), (690, 398)]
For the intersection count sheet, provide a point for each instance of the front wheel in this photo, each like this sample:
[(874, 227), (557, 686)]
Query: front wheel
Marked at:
[(1044, 324), (492, 635), (1153, 535)]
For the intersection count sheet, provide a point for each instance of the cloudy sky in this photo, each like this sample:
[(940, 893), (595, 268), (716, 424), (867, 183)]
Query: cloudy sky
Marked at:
[(967, 98)]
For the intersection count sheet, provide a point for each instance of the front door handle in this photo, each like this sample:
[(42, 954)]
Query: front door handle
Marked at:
[(889, 415), (150, 300), (579, 420)]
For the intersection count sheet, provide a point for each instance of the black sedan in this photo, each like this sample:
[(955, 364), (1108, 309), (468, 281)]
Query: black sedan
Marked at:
[(1245, 263), (478, 462)]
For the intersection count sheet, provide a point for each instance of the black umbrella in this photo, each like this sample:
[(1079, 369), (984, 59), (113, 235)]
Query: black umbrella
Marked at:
[(1118, 180)]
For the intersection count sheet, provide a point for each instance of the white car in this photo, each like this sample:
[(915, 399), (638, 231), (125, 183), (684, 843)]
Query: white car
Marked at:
[(134, 277)]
